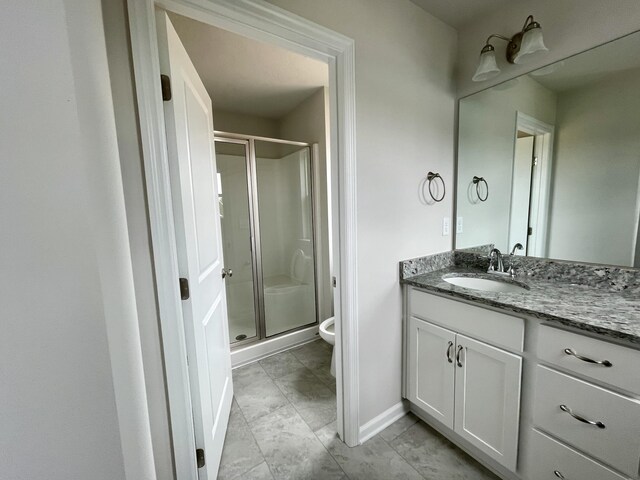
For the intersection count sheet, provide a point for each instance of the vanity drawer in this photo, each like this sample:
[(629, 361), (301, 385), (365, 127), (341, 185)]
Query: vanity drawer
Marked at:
[(617, 444), (622, 373), (492, 327), (548, 456)]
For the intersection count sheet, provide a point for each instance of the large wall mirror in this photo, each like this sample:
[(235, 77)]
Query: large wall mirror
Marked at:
[(551, 160)]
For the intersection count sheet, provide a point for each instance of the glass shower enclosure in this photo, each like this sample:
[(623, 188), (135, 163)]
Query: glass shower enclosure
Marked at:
[(266, 208)]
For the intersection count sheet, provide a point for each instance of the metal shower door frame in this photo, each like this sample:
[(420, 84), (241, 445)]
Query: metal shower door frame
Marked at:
[(254, 228), (256, 267)]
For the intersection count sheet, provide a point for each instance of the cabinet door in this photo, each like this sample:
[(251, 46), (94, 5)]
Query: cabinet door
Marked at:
[(431, 369), (487, 405)]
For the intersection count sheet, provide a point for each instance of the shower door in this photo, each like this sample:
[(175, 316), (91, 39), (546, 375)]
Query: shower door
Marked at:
[(283, 174), (236, 215), (266, 205)]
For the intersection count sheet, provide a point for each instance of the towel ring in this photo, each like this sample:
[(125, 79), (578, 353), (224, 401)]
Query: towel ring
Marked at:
[(477, 181), (431, 177)]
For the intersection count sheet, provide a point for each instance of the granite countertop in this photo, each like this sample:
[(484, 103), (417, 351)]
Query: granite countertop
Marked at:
[(611, 313)]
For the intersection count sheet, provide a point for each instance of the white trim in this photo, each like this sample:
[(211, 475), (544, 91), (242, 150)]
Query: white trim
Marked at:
[(382, 421), (544, 145), (257, 351), (259, 20), (154, 148)]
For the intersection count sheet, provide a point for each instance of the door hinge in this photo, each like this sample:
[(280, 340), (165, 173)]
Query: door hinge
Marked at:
[(535, 161), (184, 289), (165, 82), (200, 457), (529, 231)]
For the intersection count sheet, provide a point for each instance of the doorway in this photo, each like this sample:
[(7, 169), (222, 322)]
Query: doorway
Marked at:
[(269, 24), (269, 106), (530, 184)]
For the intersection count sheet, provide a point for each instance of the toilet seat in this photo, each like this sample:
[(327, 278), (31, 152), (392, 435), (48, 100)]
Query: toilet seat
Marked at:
[(328, 334), (328, 330)]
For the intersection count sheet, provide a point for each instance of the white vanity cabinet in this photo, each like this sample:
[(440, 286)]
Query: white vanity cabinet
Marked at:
[(469, 385), (565, 405)]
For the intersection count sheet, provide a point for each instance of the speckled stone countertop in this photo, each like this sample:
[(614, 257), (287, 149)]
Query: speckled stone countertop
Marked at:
[(611, 310)]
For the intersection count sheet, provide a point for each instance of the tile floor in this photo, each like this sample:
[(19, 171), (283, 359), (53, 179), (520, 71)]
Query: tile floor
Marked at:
[(282, 427)]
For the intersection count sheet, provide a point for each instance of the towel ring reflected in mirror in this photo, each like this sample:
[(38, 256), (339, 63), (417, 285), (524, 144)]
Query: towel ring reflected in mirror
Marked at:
[(431, 178), (477, 181)]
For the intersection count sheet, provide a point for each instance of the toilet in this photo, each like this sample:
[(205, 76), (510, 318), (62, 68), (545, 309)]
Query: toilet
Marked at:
[(328, 334)]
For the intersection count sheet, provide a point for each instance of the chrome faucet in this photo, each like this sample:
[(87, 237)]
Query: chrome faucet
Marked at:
[(517, 246), (512, 269), (495, 262)]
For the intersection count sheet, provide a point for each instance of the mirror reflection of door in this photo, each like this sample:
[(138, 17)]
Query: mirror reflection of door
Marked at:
[(522, 182)]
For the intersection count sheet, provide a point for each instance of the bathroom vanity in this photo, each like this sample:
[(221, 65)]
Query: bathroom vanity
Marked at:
[(541, 382), (532, 365)]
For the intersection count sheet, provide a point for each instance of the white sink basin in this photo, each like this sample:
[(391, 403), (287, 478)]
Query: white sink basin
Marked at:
[(485, 284)]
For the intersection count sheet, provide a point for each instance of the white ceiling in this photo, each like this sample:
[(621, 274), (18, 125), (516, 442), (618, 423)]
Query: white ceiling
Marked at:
[(247, 76), (459, 12)]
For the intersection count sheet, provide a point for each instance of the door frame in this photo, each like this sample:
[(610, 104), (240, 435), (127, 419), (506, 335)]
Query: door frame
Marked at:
[(261, 21), (543, 148)]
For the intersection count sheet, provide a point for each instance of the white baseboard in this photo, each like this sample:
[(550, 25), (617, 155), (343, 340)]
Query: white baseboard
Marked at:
[(382, 421), (257, 351)]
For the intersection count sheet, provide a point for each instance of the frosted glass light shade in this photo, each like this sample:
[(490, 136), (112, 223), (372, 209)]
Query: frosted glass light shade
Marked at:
[(532, 43), (487, 67)]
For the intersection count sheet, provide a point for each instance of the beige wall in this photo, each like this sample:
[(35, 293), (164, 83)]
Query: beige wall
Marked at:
[(594, 205), (72, 390), (405, 120), (569, 26), (232, 122)]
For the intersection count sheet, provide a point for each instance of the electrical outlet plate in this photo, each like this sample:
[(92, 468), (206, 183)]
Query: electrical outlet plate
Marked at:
[(445, 226)]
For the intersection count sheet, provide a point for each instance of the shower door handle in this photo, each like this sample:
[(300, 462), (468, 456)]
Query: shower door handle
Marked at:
[(226, 273)]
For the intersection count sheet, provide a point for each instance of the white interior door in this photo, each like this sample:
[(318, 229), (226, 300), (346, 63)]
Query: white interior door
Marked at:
[(189, 125), (521, 193)]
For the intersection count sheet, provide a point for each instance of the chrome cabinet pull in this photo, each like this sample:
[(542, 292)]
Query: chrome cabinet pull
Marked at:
[(458, 362), (558, 474), (604, 363), (449, 346), (566, 409)]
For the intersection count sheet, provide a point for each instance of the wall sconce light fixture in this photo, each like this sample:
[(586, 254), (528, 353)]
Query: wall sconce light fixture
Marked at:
[(521, 48)]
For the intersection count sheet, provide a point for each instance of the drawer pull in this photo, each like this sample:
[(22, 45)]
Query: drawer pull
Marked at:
[(558, 474), (566, 409), (604, 363), (460, 347), (449, 347)]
